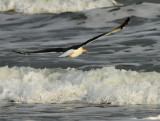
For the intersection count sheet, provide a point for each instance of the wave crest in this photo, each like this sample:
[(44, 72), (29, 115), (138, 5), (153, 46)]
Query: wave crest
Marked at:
[(52, 6), (106, 85)]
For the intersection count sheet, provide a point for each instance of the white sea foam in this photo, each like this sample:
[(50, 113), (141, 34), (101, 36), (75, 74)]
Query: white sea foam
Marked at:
[(106, 85), (153, 118), (52, 6)]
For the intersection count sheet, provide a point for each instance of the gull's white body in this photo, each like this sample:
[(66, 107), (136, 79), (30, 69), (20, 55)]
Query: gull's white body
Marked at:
[(73, 53)]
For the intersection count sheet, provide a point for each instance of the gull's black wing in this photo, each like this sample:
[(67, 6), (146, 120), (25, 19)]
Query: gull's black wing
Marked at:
[(103, 34), (76, 46), (42, 51)]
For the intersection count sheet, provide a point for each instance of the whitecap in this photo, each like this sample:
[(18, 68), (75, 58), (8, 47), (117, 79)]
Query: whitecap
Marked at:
[(52, 6), (105, 85)]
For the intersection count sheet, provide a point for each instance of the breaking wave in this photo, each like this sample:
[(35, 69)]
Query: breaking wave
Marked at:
[(52, 6), (106, 85)]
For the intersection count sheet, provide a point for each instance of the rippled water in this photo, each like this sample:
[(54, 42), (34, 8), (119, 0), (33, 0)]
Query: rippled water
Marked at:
[(118, 79), (135, 48)]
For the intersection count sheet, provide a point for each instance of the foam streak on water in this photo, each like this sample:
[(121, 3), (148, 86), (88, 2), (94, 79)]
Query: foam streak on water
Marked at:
[(52, 6), (106, 85), (154, 118)]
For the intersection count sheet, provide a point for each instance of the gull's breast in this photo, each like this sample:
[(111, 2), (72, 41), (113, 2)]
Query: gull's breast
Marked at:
[(77, 52)]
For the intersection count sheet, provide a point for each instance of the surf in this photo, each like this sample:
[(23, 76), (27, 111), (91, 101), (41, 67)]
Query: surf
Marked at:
[(96, 86), (52, 6)]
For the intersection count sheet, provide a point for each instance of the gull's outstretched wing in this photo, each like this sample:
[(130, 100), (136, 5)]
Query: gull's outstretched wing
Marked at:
[(103, 34), (75, 46), (42, 51)]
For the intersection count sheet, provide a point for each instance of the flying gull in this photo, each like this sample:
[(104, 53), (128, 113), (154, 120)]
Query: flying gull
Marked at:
[(75, 50)]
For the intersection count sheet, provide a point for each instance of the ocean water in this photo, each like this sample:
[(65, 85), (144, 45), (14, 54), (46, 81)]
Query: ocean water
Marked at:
[(118, 79)]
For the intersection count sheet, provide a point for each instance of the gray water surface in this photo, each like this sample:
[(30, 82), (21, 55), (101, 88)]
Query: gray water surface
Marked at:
[(136, 48)]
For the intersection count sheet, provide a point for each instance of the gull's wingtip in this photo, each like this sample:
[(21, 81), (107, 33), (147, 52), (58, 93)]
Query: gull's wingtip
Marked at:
[(125, 23), (127, 20), (23, 53), (17, 52)]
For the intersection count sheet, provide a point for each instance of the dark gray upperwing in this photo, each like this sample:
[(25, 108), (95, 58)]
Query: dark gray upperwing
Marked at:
[(103, 34), (76, 46), (42, 51)]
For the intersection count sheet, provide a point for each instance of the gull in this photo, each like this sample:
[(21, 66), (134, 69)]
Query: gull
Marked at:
[(75, 50)]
